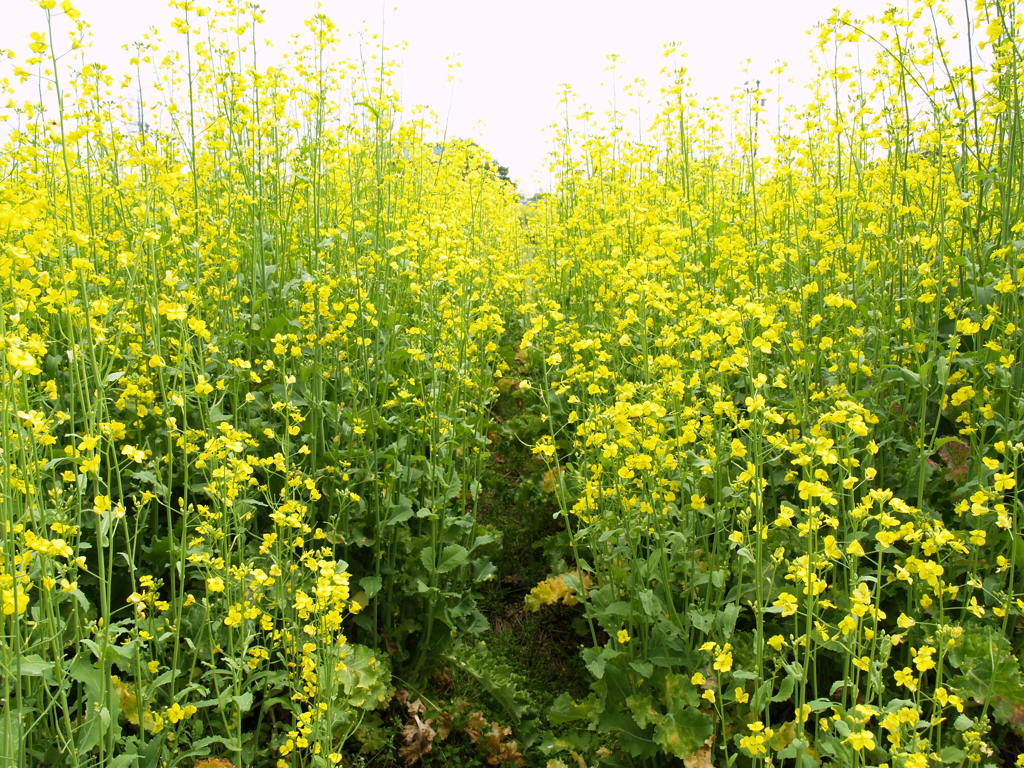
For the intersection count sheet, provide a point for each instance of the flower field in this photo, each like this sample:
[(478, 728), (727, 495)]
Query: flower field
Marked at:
[(295, 397)]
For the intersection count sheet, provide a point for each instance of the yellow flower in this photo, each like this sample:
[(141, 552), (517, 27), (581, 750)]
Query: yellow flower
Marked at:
[(962, 395), (1004, 482), (861, 740), (787, 602), (203, 387), (923, 658), (904, 622), (623, 636), (22, 360), (176, 713), (945, 698), (13, 598), (975, 608), (848, 624), (753, 744), (172, 311), (905, 677), (723, 661)]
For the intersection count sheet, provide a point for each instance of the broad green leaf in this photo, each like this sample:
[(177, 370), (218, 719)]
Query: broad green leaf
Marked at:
[(452, 556), (683, 731), (371, 585), (565, 709)]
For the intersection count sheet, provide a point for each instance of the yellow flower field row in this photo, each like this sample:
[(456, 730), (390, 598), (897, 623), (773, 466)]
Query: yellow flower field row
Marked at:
[(254, 334)]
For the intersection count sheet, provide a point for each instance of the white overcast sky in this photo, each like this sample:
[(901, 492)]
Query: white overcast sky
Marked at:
[(515, 54)]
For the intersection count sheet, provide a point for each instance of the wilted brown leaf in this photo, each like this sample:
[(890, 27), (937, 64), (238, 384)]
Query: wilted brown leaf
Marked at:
[(445, 722), (475, 726), (418, 738), (417, 735), (702, 757), (498, 751)]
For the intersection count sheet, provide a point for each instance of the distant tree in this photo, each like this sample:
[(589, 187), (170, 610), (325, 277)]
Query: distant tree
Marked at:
[(486, 159)]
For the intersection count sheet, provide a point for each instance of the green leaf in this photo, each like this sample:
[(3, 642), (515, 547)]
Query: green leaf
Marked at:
[(678, 688), (88, 675), (727, 619), (951, 755), (632, 738), (596, 659), (154, 750), (990, 672), (759, 700), (644, 711), (565, 709), (483, 569), (702, 621), (642, 668), (595, 662), (35, 666), (684, 731), (243, 701), (231, 745), (785, 692), (963, 723), (908, 375), (371, 585), (400, 515), (651, 604), (88, 735), (819, 705), (149, 477), (618, 609), (123, 761), (452, 556), (427, 558)]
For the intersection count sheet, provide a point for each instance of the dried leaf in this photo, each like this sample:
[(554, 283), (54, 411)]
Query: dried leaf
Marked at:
[(494, 737), (499, 751), (417, 735), (419, 740), (702, 757), (445, 725), (416, 708), (475, 726)]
